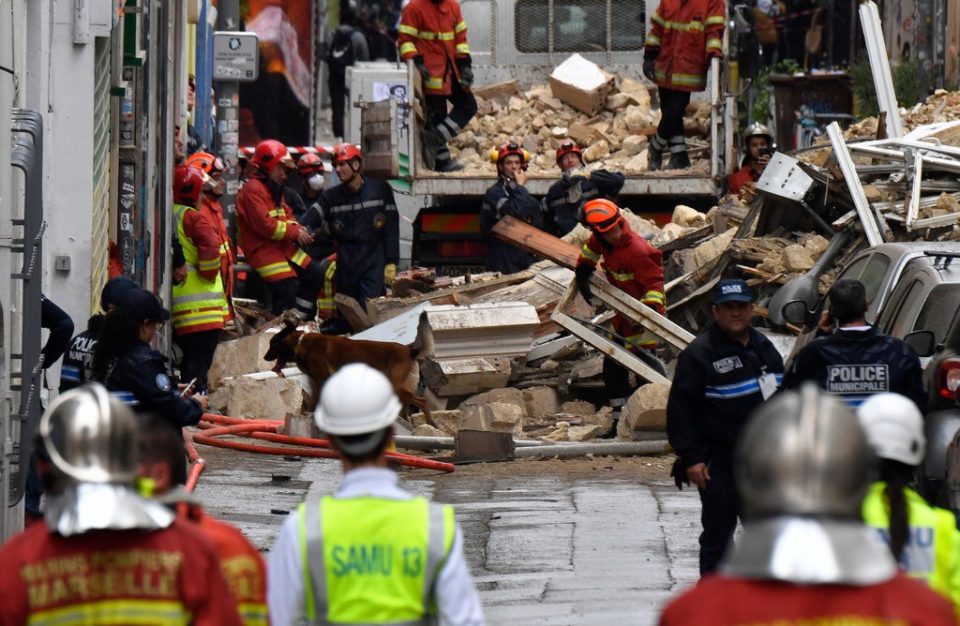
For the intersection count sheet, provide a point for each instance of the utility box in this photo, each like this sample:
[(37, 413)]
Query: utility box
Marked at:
[(371, 82)]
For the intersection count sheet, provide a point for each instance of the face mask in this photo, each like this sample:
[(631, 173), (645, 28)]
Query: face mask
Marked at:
[(315, 182)]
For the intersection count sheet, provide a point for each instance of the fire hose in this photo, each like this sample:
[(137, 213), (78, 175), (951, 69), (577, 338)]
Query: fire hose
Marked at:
[(213, 427)]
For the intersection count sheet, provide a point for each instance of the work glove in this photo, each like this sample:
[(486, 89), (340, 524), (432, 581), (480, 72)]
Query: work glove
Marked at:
[(422, 68), (649, 69), (389, 274), (679, 474), (583, 273), (466, 76)]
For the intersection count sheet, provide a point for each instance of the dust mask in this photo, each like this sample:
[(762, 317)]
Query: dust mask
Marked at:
[(315, 182)]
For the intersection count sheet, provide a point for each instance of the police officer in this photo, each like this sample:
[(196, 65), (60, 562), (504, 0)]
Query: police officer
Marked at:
[(805, 556), (563, 204), (105, 555), (508, 196), (856, 360), (133, 371), (720, 378), (362, 217), (415, 570), (924, 539)]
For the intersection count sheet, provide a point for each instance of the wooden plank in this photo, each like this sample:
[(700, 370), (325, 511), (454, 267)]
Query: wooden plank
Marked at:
[(536, 241)]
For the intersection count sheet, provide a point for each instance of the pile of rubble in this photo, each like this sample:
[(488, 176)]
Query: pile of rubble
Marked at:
[(615, 138)]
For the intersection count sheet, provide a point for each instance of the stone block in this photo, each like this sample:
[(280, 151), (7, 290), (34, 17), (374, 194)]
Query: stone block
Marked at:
[(687, 216), (634, 144), (426, 430), (493, 416), (639, 163), (708, 251), (597, 151), (301, 426), (507, 395), (271, 398), (238, 357), (815, 245), (578, 407), (646, 410), (796, 258), (446, 421), (585, 432), (584, 135), (457, 377), (635, 119), (541, 401)]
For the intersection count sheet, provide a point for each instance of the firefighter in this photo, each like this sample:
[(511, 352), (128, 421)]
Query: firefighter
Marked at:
[(563, 205), (720, 379), (308, 209), (199, 304), (854, 359), (508, 196), (133, 371), (924, 539), (214, 167), (758, 148), (271, 238), (362, 218), (162, 475), (684, 35), (805, 556), (315, 573), (434, 35), (105, 555), (633, 265)]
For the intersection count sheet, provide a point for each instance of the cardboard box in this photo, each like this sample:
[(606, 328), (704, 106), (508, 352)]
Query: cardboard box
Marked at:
[(588, 102)]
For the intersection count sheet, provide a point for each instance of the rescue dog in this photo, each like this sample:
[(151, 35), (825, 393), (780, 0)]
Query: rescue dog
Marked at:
[(319, 356)]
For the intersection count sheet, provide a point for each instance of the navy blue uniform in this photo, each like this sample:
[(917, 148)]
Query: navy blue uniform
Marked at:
[(854, 364), (563, 204), (309, 213), (506, 197), (78, 360), (366, 227), (140, 379), (716, 386)]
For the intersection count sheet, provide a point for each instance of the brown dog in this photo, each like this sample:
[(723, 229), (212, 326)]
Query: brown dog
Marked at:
[(319, 356)]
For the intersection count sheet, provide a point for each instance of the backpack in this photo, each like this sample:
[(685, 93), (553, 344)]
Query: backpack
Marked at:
[(340, 53)]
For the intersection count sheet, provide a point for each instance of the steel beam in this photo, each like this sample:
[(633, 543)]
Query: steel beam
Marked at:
[(869, 223), (880, 67)]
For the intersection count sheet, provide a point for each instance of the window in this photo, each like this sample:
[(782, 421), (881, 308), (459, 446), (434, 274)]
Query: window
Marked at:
[(906, 311), (874, 274), (939, 311), (579, 25)]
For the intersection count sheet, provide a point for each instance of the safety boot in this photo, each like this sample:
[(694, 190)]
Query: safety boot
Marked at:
[(432, 142), (655, 153), (679, 157)]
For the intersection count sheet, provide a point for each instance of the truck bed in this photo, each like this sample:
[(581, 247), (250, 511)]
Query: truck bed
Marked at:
[(476, 184)]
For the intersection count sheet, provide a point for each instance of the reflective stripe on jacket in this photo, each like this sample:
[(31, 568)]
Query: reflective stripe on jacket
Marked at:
[(373, 560), (932, 550), (268, 232), (198, 303), (437, 32), (687, 33)]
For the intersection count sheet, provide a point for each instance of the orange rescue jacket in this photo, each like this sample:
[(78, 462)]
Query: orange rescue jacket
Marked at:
[(683, 35), (211, 205), (268, 232), (437, 32)]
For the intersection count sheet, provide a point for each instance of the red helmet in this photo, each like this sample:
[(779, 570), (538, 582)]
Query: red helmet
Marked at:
[(601, 214), (207, 162), (188, 182), (309, 164), (569, 146), (345, 152), (269, 153), (497, 155)]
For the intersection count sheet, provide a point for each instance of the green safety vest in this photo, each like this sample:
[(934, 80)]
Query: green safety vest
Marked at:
[(198, 304), (932, 551), (373, 560)]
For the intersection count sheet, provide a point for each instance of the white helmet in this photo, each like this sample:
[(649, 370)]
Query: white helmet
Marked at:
[(357, 400), (894, 428)]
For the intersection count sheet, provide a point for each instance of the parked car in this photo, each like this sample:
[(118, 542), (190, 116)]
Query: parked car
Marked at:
[(913, 290)]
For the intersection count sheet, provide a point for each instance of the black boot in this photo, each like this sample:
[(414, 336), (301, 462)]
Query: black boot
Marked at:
[(448, 165), (679, 158), (655, 153), (431, 142)]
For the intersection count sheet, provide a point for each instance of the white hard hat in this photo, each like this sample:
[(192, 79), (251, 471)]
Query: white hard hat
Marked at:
[(894, 428), (357, 400)]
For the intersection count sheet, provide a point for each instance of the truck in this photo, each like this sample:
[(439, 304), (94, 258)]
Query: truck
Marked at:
[(522, 40)]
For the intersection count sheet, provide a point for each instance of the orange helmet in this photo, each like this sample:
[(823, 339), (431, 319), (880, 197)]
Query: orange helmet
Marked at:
[(207, 162), (188, 182), (497, 155), (346, 152), (569, 146), (309, 164), (269, 153), (601, 214)]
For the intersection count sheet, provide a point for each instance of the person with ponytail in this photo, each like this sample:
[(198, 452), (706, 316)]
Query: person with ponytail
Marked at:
[(924, 539)]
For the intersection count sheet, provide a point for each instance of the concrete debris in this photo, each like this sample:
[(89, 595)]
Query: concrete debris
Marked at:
[(239, 357), (269, 398), (645, 411), (426, 430), (541, 401)]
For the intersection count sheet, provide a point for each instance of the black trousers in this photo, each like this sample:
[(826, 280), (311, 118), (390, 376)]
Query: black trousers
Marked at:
[(450, 124), (300, 292), (198, 349), (337, 84), (673, 104), (719, 514)]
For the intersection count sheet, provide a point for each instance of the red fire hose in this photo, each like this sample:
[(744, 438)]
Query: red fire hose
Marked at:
[(215, 426)]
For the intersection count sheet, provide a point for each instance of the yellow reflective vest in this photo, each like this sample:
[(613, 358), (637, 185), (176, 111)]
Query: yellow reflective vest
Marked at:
[(199, 304), (932, 551), (373, 560)]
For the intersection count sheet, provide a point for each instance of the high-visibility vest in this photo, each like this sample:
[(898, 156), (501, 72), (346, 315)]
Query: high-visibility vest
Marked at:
[(198, 304), (373, 560), (932, 551)]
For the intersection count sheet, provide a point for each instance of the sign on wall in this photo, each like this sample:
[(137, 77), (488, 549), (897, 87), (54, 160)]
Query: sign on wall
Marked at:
[(236, 56)]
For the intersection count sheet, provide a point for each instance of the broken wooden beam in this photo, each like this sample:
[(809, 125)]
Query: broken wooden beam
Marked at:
[(536, 241)]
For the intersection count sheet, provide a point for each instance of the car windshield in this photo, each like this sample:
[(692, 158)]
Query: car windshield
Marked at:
[(940, 311)]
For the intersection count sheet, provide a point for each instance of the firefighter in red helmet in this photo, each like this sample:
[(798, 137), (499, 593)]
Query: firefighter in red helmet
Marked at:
[(508, 196), (563, 204)]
